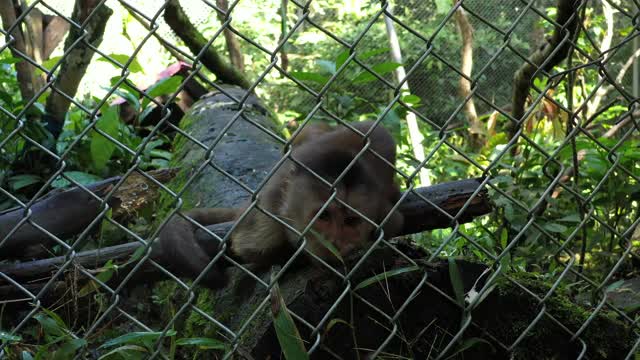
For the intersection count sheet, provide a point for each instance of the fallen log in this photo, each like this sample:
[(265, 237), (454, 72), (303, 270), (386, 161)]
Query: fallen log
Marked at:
[(419, 214)]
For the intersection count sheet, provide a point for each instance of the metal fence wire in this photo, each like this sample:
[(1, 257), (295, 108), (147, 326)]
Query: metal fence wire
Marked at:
[(433, 75)]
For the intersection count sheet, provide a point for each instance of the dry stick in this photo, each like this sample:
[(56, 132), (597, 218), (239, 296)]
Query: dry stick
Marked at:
[(179, 22), (167, 45)]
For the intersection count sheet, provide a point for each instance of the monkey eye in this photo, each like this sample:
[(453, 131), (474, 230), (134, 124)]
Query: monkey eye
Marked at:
[(352, 220), (324, 216)]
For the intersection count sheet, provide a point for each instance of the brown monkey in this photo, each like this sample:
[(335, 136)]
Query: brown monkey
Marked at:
[(296, 196), (310, 131)]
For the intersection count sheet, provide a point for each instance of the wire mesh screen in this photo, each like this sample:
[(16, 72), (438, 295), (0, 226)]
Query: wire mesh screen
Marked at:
[(117, 117)]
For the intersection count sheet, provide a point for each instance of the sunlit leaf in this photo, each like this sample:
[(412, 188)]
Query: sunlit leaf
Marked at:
[(334, 322), (288, 336), (574, 218), (327, 244), (101, 147), (18, 182), (327, 66), (92, 286), (68, 349), (456, 281), (202, 343), (341, 58), (51, 62), (468, 343), (310, 76), (125, 352), (411, 99), (50, 327), (78, 176), (5, 336), (380, 69), (554, 227), (137, 338), (163, 87), (385, 275), (367, 54), (10, 60), (134, 67)]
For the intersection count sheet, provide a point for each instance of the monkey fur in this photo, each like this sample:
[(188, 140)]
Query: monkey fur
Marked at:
[(296, 196)]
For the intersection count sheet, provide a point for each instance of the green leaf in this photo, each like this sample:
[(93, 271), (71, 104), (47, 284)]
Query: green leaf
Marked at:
[(18, 182), (163, 87), (10, 60), (159, 163), (310, 76), (161, 154), (614, 286), (51, 62), (288, 336), (363, 77), (367, 54), (334, 322), (130, 98), (327, 66), (443, 6), (125, 352), (456, 281), (385, 275), (78, 176), (140, 251), (202, 343), (581, 144), (124, 86), (26, 355), (93, 286), (504, 237), (341, 58), (101, 147), (134, 67), (411, 99), (147, 110), (573, 218), (136, 338), (5, 336), (554, 228), (468, 343), (68, 349), (50, 327), (327, 244), (380, 69), (385, 67), (60, 323)]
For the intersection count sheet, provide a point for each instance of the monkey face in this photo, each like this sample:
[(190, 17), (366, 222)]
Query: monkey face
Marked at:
[(335, 225)]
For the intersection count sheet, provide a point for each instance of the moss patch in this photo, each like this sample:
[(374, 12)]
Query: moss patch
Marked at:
[(510, 310)]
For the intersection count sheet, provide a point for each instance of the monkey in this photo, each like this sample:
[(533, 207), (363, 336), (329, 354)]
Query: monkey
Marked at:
[(309, 131), (296, 196)]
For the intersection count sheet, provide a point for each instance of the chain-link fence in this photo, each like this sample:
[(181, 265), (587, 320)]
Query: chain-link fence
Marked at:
[(544, 122)]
